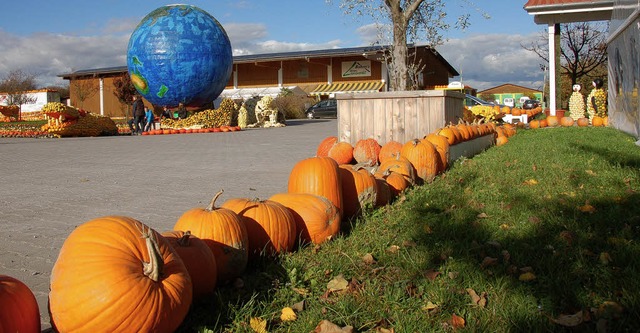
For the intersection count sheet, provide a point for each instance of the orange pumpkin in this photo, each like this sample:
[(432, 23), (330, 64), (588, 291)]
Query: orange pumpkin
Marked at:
[(516, 112), (325, 145), (583, 122), (605, 121), (317, 219), (566, 121), (552, 121), (20, 312), (383, 192), (197, 258), (391, 149), (424, 158), (341, 152), (597, 121), (543, 123), (400, 165), (270, 225), (442, 146), (319, 176), (397, 183), (358, 189), (506, 110), (366, 152), (449, 134), (116, 273), (501, 140), (534, 123), (224, 233)]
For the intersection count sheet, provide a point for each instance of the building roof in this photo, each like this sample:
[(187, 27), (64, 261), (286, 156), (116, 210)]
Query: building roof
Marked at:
[(508, 88), (374, 52), (566, 11)]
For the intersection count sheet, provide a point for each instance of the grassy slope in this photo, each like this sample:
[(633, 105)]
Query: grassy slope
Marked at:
[(563, 204)]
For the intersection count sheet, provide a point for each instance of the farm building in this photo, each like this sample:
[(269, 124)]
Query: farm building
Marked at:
[(320, 73), (499, 93)]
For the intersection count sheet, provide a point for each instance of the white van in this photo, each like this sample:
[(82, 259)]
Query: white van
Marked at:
[(508, 102)]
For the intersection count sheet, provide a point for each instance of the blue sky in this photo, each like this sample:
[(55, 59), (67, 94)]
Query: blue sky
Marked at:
[(50, 38)]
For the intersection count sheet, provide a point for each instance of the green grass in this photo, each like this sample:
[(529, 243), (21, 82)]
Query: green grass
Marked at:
[(525, 204)]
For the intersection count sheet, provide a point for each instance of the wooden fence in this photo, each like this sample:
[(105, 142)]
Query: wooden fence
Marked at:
[(398, 115)]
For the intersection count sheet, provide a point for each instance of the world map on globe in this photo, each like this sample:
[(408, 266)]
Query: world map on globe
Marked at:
[(179, 54)]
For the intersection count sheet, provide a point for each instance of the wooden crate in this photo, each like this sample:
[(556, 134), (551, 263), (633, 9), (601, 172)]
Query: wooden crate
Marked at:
[(397, 115)]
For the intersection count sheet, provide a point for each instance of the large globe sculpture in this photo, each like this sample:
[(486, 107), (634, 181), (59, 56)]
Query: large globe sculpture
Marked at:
[(179, 54)]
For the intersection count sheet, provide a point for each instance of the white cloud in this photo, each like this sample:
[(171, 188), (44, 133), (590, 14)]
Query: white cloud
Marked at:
[(485, 61)]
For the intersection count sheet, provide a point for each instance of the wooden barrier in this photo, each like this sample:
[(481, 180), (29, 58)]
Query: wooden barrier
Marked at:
[(396, 115)]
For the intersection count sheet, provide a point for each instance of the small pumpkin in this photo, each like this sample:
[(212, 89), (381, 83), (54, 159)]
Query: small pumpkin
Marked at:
[(317, 219), (366, 152), (20, 312), (583, 122), (501, 140), (341, 152), (448, 133), (400, 165), (390, 149), (442, 146), (597, 121), (198, 259), (325, 145), (224, 233), (383, 192), (552, 121), (544, 123), (534, 123), (566, 121), (270, 225), (358, 189), (397, 183), (424, 158), (114, 272), (317, 175)]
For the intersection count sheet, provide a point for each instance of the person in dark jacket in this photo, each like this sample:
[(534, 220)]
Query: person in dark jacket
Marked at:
[(137, 112), (182, 111)]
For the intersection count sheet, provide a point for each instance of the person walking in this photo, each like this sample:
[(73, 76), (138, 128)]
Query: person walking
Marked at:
[(149, 118), (138, 114)]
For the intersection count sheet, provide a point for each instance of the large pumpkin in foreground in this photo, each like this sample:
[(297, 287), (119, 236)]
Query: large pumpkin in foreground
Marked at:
[(116, 274), (18, 307)]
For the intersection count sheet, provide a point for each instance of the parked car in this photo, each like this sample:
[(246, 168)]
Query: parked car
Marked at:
[(508, 101), (470, 100), (530, 104), (327, 108)]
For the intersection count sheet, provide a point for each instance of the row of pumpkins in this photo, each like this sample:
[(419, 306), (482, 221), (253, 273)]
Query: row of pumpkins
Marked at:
[(554, 121), (115, 273)]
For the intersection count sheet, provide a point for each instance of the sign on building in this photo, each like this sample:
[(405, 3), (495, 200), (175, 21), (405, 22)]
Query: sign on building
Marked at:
[(356, 68)]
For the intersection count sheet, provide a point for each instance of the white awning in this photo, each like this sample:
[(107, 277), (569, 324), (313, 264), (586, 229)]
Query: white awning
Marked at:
[(246, 93)]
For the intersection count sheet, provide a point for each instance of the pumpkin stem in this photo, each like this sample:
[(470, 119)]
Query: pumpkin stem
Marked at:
[(212, 205), (153, 268), (184, 240)]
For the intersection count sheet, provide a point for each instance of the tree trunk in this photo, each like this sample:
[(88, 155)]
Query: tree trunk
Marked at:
[(399, 58)]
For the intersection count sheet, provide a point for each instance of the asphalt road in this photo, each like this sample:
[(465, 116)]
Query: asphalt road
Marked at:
[(50, 186)]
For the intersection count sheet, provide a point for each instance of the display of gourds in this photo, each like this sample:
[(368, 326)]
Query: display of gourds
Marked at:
[(66, 121), (210, 118)]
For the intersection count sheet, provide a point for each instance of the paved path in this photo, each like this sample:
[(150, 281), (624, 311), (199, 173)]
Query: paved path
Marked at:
[(50, 186)]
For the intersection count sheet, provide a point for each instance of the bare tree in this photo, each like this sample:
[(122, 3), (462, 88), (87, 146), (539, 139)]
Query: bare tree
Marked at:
[(16, 85), (124, 91), (583, 48), (411, 20), (84, 89)]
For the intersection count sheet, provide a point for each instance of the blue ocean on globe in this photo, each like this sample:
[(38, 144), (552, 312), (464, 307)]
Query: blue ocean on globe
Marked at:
[(179, 54)]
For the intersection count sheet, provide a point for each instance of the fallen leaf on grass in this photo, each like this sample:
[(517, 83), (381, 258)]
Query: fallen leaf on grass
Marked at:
[(530, 182), (301, 291), (429, 306), (609, 309), (288, 314), (506, 256), (605, 258), (587, 208), (431, 274), (590, 172), (569, 320), (526, 277), (482, 216), (338, 283), (368, 259), (477, 300), (488, 261), (457, 321), (298, 306), (326, 326), (505, 226), (258, 325), (385, 330), (393, 249)]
